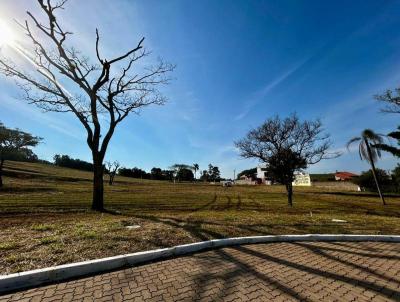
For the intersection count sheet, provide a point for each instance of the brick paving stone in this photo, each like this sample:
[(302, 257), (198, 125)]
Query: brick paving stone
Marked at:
[(302, 271)]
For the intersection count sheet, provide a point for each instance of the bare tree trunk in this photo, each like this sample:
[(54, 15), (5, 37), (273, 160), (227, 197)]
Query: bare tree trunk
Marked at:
[(1, 171), (289, 190), (374, 172), (98, 185), (111, 179)]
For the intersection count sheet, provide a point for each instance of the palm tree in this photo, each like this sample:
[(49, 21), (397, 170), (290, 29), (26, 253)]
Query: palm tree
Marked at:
[(195, 168), (368, 150), (389, 148)]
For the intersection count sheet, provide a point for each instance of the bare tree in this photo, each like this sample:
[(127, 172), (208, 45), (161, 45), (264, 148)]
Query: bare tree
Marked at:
[(286, 146), (391, 99), (104, 93), (112, 168)]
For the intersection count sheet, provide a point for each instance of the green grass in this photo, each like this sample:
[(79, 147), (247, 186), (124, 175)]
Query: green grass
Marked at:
[(4, 246), (48, 240), (42, 227), (45, 209)]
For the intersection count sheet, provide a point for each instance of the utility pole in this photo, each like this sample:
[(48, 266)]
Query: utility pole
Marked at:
[(234, 174)]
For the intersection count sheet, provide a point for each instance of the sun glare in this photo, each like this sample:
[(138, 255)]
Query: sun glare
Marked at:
[(6, 34)]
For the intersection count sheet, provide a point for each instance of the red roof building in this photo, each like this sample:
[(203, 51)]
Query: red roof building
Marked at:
[(344, 175)]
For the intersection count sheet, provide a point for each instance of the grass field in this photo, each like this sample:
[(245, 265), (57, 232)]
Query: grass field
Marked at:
[(45, 218)]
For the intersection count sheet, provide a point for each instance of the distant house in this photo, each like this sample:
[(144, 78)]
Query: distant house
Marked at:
[(341, 176), (302, 179), (246, 180), (262, 172), (262, 175)]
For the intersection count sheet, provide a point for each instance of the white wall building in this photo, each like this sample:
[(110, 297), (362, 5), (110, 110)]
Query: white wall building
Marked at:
[(263, 175), (262, 172), (302, 179)]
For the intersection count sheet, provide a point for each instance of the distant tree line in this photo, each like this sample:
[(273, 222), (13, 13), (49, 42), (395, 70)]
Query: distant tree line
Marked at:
[(69, 162), (155, 173), (177, 172), (389, 182), (16, 145)]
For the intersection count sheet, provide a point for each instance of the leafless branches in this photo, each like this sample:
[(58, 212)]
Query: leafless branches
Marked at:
[(286, 146), (303, 138), (103, 88), (102, 94), (391, 100), (112, 168)]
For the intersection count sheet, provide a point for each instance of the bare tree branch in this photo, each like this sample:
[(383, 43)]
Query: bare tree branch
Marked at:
[(287, 146), (103, 94)]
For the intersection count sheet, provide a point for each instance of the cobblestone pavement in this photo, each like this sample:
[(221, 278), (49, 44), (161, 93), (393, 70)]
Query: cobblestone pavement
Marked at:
[(339, 271)]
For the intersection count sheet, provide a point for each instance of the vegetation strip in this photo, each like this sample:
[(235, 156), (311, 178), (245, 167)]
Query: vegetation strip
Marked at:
[(19, 281)]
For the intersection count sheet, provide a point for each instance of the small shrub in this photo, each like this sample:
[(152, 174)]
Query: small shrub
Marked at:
[(42, 227), (48, 240), (57, 248), (13, 259), (87, 234), (8, 246)]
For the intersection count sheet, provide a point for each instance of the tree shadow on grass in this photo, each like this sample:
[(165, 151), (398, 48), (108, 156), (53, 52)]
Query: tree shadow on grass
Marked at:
[(7, 189), (355, 194)]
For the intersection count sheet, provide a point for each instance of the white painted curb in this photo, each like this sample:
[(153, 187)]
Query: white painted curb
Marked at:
[(34, 278)]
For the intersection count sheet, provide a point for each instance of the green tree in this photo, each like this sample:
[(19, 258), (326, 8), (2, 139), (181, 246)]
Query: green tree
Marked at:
[(68, 162), (156, 173), (15, 141), (216, 174), (213, 173), (249, 173), (177, 167), (396, 176), (367, 180), (368, 151), (205, 176), (185, 174)]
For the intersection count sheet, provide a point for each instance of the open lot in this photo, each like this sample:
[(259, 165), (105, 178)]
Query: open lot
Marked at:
[(45, 218)]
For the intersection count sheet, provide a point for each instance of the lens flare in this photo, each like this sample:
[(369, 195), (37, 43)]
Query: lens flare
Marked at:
[(6, 34)]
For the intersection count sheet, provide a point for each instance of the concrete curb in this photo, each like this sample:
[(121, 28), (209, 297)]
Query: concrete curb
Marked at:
[(34, 278)]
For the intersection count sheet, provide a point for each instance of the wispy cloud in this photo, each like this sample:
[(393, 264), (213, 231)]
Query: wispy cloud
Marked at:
[(263, 92)]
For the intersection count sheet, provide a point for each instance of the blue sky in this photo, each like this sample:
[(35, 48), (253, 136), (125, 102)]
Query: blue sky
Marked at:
[(238, 63)]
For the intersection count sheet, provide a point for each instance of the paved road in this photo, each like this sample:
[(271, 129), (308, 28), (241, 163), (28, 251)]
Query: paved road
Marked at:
[(339, 271)]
